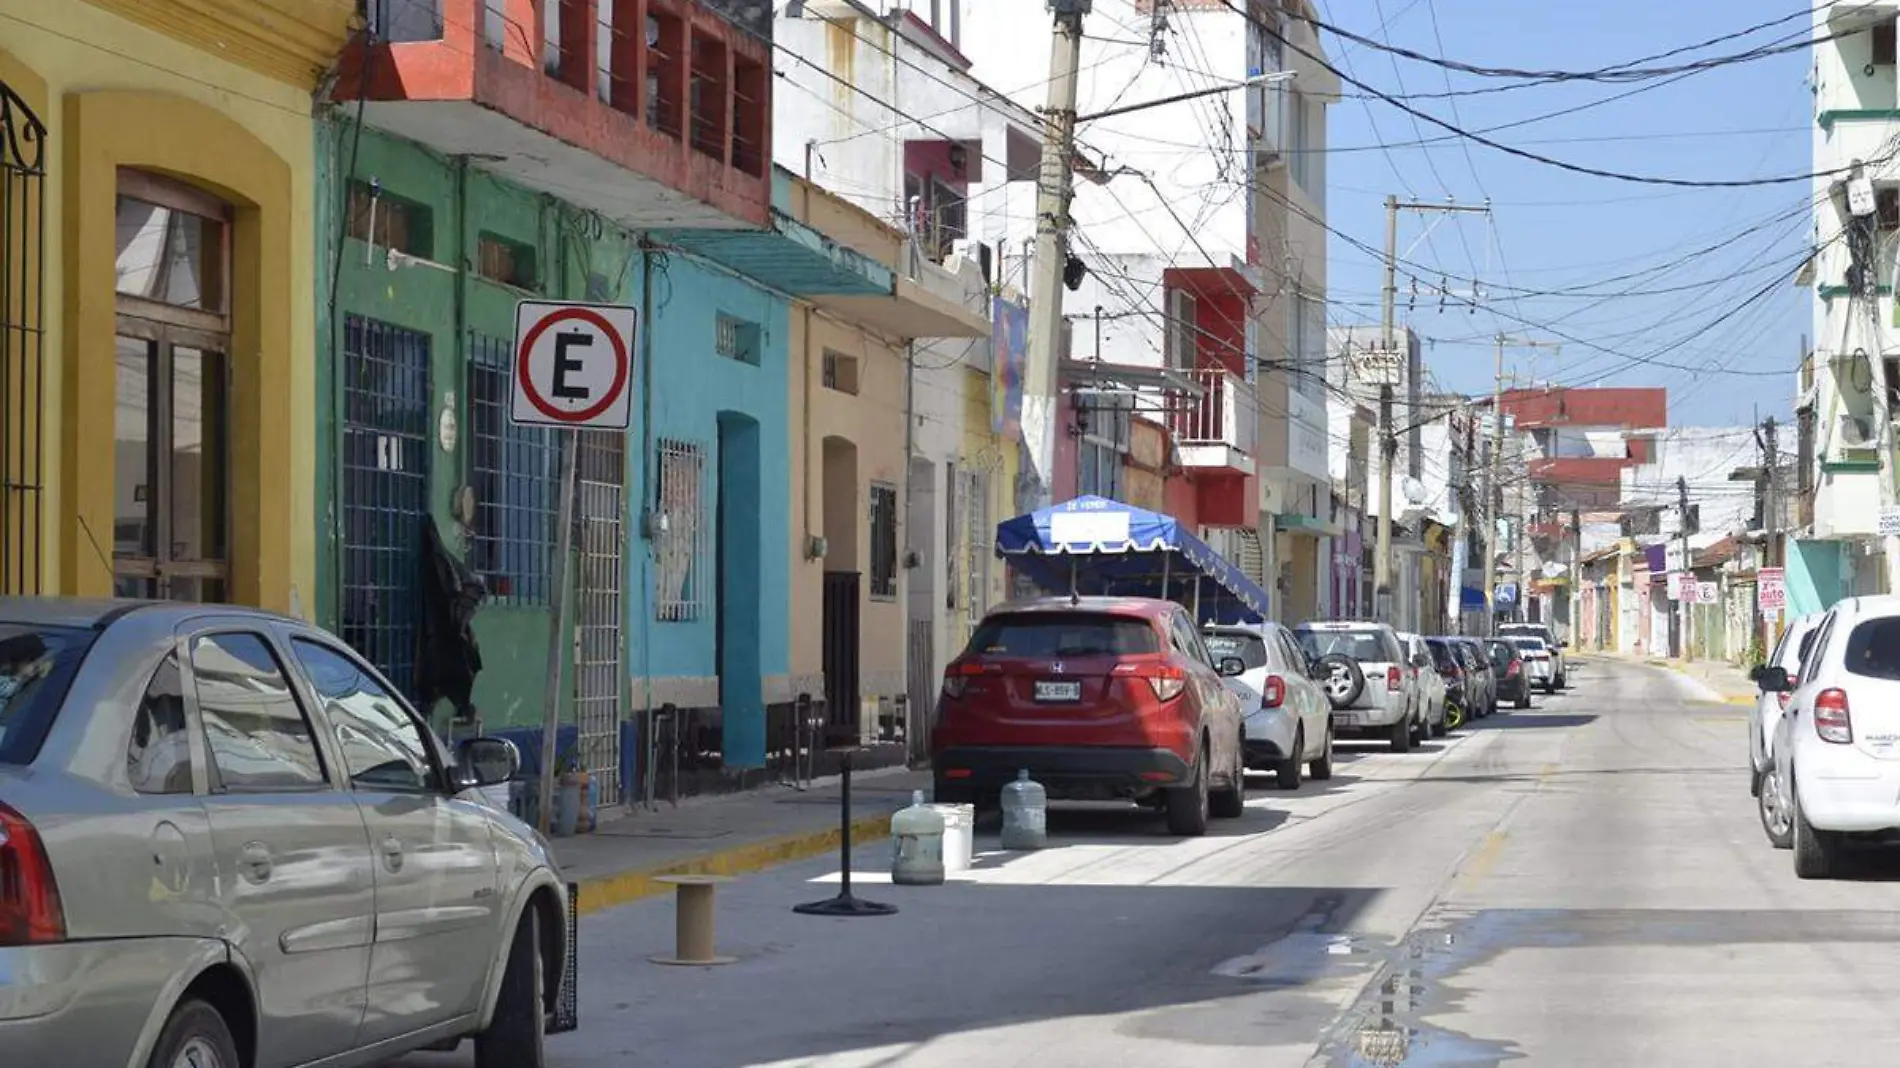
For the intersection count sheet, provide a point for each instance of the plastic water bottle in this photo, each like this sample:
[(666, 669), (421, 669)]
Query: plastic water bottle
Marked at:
[(1025, 813), (917, 844)]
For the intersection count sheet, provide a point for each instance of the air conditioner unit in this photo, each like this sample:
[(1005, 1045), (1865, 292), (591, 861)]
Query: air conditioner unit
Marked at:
[(1856, 432)]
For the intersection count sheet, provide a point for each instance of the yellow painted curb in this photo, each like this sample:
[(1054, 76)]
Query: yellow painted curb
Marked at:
[(605, 891)]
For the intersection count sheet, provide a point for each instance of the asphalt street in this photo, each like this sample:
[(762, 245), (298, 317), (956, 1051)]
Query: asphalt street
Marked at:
[(1583, 883)]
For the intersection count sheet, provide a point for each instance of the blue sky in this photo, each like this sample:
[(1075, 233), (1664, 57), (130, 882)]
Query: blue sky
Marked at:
[(1554, 230)]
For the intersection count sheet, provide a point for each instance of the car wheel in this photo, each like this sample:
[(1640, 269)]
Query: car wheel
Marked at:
[(513, 1038), (1188, 805), (1343, 680), (1288, 771), (1322, 768), (1524, 699), (1772, 804), (1400, 735), (1815, 852), (1231, 803), (1439, 730), (195, 1036)]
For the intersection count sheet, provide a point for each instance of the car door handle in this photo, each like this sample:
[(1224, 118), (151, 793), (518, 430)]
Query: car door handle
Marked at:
[(392, 853), (256, 860)]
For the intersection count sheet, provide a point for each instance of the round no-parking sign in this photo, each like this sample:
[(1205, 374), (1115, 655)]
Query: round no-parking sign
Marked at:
[(574, 365)]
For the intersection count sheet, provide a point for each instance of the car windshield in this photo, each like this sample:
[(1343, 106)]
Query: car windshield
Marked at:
[(1250, 648), (1873, 649), (1365, 646), (36, 664), (1063, 634)]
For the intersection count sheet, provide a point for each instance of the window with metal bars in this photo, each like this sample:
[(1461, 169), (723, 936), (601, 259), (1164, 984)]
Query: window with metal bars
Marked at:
[(883, 541), (736, 339), (682, 536), (977, 541), (513, 471)]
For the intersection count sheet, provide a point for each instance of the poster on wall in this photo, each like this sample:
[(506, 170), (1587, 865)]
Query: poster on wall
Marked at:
[(1009, 340)]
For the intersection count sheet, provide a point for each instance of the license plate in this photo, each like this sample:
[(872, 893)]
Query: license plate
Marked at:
[(1058, 691), (1342, 719)]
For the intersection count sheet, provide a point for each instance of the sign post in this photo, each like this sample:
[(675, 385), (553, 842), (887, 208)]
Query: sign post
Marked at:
[(572, 368)]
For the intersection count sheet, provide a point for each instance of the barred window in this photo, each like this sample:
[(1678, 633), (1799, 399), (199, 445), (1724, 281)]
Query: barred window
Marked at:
[(883, 540), (513, 471), (736, 339), (682, 538), (978, 540)]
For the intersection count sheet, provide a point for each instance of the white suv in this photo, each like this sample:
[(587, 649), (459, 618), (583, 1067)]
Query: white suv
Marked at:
[(1560, 677), (1836, 751), (1367, 678)]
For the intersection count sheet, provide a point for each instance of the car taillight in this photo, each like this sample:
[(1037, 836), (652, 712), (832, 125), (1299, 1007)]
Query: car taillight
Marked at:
[(30, 911), (1831, 721), (1394, 681), (1273, 694), (1166, 680), (956, 677), (1510, 670), (1787, 694)]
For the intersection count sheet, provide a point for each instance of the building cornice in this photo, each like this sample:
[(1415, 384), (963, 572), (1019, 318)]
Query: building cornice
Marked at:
[(293, 41)]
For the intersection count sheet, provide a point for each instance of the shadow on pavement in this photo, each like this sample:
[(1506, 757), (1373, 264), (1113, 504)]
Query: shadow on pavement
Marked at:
[(1531, 719), (1084, 965)]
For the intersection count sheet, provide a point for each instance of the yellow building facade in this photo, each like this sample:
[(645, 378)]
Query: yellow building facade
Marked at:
[(157, 343)]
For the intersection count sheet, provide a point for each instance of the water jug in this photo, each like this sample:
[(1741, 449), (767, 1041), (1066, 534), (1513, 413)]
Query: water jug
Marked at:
[(917, 844), (1025, 813)]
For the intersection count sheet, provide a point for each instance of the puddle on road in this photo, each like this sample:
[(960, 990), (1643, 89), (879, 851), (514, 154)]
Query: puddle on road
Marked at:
[(1387, 1026)]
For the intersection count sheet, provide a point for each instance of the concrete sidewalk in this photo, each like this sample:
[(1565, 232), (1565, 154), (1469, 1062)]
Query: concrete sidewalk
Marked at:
[(1728, 681), (730, 835)]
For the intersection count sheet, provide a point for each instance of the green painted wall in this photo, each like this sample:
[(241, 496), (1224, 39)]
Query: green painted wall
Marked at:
[(448, 305)]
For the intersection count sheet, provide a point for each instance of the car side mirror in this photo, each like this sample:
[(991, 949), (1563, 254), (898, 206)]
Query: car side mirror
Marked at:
[(1772, 679), (1754, 673), (486, 762), (1229, 666)]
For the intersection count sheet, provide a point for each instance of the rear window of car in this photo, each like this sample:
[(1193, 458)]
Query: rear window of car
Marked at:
[(1058, 634), (1529, 644), (1503, 652), (36, 666), (1441, 652), (1873, 649), (1366, 646), (1250, 648)]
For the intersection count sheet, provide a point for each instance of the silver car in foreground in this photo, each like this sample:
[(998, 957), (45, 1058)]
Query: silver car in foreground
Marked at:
[(225, 842)]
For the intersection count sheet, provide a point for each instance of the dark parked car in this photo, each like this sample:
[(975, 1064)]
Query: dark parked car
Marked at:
[(1478, 661), (1460, 680), (1514, 679), (1099, 698)]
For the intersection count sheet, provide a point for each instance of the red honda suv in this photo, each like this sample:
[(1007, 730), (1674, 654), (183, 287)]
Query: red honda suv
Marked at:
[(1100, 698)]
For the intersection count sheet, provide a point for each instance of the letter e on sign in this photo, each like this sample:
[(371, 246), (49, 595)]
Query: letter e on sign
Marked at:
[(574, 365)]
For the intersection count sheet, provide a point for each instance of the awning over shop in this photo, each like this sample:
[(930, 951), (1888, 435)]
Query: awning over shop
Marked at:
[(1092, 545)]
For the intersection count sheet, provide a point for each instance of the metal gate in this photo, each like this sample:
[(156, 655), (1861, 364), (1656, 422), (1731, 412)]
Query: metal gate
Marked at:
[(385, 492), (22, 342), (599, 655), (840, 651)]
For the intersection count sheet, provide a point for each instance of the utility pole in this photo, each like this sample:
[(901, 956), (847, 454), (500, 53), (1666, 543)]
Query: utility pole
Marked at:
[(1495, 484), (1054, 187), (1685, 586), (1771, 523), (1391, 367), (1865, 277), (1576, 577)]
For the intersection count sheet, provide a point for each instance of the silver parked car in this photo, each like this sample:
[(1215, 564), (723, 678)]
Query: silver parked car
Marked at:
[(225, 842)]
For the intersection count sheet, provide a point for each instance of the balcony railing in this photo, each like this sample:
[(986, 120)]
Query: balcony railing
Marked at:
[(668, 63), (1224, 414)]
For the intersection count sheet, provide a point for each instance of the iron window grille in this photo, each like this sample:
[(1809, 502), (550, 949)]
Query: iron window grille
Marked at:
[(883, 541), (512, 469), (976, 501), (682, 537), (736, 339)]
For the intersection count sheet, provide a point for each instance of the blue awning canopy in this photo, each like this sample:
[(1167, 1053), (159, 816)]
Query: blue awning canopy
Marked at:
[(1096, 546)]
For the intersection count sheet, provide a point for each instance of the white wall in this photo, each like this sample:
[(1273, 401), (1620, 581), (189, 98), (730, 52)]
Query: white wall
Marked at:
[(1703, 457)]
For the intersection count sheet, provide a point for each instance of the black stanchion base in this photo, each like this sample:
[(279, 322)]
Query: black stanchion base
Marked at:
[(845, 905)]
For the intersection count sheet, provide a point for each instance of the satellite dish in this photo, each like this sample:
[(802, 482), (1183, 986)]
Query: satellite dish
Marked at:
[(1414, 490), (1553, 569)]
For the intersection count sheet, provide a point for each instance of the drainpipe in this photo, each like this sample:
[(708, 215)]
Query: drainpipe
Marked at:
[(646, 556), (804, 359)]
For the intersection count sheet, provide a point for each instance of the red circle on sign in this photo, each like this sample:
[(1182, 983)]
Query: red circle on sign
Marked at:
[(621, 362)]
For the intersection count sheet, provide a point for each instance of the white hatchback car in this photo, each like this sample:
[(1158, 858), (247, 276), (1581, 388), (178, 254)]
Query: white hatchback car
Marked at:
[(1763, 719), (1836, 751), (1288, 721), (1431, 685)]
